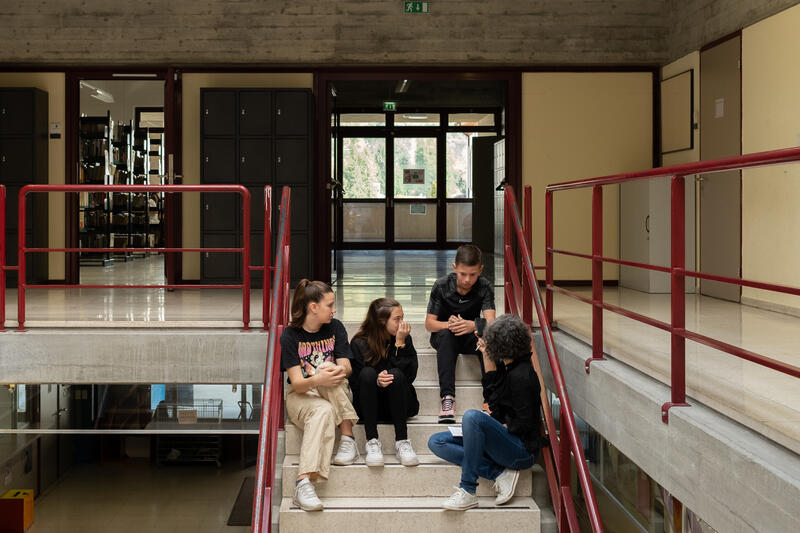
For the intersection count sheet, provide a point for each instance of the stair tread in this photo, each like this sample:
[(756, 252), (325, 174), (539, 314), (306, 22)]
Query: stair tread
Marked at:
[(410, 503)]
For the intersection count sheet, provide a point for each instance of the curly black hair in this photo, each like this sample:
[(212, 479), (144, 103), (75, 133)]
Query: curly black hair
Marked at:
[(508, 337)]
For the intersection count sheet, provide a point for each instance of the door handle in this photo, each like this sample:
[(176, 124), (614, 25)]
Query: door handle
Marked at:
[(647, 224), (206, 159), (242, 159), (279, 160), (206, 111), (242, 111)]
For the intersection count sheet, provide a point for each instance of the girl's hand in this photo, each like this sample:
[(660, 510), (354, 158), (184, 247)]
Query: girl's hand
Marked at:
[(385, 379), (402, 332), (329, 376)]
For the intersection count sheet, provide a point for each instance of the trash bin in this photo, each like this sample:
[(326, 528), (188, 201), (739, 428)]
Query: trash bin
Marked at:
[(16, 511)]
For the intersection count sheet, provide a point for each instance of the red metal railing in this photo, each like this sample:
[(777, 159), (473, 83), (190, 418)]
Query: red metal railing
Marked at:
[(22, 248), (272, 393), (677, 269), (565, 444)]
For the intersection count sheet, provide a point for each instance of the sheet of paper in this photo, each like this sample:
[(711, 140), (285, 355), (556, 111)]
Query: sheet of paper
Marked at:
[(455, 431)]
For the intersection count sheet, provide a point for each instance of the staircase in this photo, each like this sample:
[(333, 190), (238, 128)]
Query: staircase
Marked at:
[(397, 498)]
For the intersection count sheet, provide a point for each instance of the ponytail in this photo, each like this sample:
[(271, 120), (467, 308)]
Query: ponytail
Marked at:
[(305, 293)]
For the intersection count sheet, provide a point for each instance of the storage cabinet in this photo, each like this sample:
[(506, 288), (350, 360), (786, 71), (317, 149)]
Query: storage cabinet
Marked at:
[(24, 160), (254, 137)]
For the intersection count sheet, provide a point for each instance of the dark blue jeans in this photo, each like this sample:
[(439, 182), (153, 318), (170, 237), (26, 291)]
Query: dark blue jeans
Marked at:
[(485, 450)]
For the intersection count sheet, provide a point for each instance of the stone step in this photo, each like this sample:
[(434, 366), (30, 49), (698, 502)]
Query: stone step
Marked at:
[(468, 368), (420, 428), (368, 515), (432, 477)]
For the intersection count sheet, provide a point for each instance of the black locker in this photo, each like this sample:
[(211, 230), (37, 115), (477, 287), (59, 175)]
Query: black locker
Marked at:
[(272, 147), (219, 266), (16, 160), (291, 161), (219, 161), (219, 112), (16, 112), (255, 161), (255, 118), (24, 160), (291, 113)]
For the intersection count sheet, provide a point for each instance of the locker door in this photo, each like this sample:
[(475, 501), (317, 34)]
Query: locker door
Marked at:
[(255, 161), (219, 112), (221, 211), (16, 112), (300, 210), (291, 113), (219, 161), (254, 113), (299, 256), (291, 161), (221, 266), (16, 161)]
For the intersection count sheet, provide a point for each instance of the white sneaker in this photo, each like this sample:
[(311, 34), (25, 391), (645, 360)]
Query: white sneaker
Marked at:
[(347, 451), (374, 453), (405, 452), (305, 496), (460, 500), (504, 485)]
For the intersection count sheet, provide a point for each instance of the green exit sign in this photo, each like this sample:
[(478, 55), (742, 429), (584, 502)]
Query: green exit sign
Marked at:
[(416, 7), (390, 106)]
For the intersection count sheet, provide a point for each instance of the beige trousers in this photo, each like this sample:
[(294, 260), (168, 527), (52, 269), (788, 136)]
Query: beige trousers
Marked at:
[(318, 412)]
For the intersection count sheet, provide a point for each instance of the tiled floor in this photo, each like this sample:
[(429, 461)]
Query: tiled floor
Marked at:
[(135, 498)]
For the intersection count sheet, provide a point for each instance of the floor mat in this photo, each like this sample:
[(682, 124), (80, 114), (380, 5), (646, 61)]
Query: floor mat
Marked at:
[(242, 511)]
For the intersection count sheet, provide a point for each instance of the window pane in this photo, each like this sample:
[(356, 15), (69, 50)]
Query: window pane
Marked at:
[(459, 221), (364, 168), (363, 119), (364, 222), (417, 119), (415, 222), (415, 168), (459, 165), (470, 119)]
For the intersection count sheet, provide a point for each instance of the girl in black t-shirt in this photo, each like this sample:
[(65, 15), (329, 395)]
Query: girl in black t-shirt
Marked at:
[(316, 357), (384, 368)]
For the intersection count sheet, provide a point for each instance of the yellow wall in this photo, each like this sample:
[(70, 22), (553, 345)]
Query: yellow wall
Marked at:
[(192, 83), (771, 120), (54, 84), (580, 125)]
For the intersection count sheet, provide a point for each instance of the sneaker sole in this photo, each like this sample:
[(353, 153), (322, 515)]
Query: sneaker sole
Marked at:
[(344, 463), (374, 463), (499, 501), (464, 508), (447, 419), (410, 463), (308, 509)]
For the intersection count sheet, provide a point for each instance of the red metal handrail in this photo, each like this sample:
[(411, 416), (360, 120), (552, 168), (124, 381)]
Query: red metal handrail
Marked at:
[(272, 393), (677, 269), (566, 441), (2, 257), (23, 249)]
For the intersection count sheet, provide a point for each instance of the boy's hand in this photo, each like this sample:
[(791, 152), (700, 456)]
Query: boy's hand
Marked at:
[(461, 326)]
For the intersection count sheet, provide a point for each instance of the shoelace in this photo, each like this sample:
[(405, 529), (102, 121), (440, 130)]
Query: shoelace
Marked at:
[(306, 490), (374, 447), (447, 404)]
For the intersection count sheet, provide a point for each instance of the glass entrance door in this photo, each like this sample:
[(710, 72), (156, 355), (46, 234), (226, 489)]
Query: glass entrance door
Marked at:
[(414, 199)]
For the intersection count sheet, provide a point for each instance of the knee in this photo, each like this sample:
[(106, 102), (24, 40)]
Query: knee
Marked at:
[(471, 418), (367, 376), (437, 441)]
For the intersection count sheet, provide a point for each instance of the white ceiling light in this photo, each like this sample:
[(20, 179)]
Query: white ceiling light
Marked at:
[(416, 117), (402, 86), (100, 94)]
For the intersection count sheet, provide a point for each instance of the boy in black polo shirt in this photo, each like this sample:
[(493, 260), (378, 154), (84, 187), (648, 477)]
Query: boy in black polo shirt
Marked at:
[(456, 301)]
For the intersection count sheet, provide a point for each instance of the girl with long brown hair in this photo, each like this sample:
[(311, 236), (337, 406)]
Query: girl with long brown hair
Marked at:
[(384, 368), (316, 356)]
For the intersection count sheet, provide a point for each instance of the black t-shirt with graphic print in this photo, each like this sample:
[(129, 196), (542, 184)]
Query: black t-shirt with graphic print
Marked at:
[(310, 350), (446, 301)]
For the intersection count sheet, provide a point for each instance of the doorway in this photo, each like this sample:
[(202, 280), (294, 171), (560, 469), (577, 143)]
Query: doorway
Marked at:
[(721, 193), (406, 179), (119, 132)]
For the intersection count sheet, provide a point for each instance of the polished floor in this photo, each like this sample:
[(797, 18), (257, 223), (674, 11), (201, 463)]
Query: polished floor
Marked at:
[(132, 497)]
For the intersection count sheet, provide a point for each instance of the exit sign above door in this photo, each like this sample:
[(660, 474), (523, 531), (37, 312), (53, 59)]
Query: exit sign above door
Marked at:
[(416, 7)]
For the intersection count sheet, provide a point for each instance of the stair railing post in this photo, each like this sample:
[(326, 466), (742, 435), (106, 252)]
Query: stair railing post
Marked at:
[(548, 244), (597, 276), (527, 284)]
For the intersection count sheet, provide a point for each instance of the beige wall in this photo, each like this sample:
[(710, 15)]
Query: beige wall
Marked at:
[(54, 84), (192, 83), (771, 120), (580, 125)]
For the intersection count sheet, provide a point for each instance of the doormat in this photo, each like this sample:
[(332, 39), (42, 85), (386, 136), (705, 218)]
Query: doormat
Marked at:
[(242, 511)]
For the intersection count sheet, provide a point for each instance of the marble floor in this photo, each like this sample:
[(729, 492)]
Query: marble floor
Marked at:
[(132, 497)]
